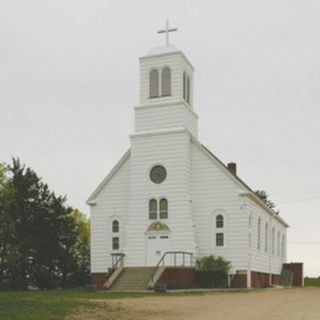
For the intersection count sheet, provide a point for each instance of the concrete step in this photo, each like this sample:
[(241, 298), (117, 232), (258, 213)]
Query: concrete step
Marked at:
[(134, 278)]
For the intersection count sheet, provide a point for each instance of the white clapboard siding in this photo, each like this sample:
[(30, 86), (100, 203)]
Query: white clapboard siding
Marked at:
[(213, 192), (262, 260), (170, 150), (166, 116), (111, 204)]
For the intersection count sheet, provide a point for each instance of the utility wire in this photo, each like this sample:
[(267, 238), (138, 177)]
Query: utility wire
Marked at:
[(300, 200)]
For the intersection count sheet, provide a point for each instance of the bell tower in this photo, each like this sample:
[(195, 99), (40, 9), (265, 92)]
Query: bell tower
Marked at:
[(160, 160), (166, 91)]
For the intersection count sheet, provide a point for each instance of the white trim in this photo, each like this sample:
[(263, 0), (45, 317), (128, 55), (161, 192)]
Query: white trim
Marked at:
[(160, 132), (90, 200), (150, 57), (167, 104)]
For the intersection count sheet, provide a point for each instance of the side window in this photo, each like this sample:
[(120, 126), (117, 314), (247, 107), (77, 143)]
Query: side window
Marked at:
[(219, 240), (115, 243), (259, 233), (154, 84), (115, 226), (266, 238), (165, 82), (163, 209), (219, 221), (273, 240), (153, 209)]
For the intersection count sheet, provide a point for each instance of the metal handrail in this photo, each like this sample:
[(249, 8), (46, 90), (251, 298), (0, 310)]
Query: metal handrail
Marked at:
[(174, 253), (117, 258)]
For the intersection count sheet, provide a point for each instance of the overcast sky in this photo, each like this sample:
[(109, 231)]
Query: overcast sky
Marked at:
[(69, 82)]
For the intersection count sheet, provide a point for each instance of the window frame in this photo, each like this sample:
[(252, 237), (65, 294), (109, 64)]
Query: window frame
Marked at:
[(115, 240), (164, 213), (219, 244), (153, 212), (154, 86), (115, 225), (163, 83)]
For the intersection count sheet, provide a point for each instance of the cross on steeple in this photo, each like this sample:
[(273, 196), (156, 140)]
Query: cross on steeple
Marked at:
[(166, 31)]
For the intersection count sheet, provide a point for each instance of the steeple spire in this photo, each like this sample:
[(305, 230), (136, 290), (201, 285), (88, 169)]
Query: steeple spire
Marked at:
[(166, 31)]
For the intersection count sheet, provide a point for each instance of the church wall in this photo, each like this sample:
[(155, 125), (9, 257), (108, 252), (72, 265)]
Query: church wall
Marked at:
[(151, 118), (214, 193), (263, 260), (170, 150), (111, 203)]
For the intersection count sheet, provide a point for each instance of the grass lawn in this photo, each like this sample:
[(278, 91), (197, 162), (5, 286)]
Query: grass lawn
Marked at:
[(73, 304), (62, 304), (312, 282)]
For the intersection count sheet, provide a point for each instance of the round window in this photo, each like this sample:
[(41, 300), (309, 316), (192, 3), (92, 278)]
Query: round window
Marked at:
[(158, 174)]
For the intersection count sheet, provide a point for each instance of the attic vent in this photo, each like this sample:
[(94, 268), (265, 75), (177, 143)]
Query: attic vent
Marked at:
[(232, 167)]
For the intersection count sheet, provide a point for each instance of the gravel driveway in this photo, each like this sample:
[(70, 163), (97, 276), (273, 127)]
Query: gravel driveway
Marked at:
[(280, 304)]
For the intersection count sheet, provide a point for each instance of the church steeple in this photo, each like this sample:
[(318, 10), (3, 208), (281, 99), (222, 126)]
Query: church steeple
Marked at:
[(166, 91)]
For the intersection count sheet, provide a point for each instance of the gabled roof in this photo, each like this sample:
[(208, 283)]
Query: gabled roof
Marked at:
[(126, 156), (248, 191)]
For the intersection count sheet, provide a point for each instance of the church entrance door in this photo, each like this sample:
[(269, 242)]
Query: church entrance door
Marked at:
[(157, 246)]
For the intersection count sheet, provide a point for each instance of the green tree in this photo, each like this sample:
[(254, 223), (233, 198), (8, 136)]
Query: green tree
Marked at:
[(43, 239), (264, 197)]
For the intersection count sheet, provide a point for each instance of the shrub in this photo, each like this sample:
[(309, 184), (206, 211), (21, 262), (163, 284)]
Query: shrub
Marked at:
[(212, 272), (212, 263)]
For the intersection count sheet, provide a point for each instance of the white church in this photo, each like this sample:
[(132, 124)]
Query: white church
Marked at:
[(169, 200)]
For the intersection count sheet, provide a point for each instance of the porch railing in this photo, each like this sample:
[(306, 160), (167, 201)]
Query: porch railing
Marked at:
[(187, 260), (117, 260)]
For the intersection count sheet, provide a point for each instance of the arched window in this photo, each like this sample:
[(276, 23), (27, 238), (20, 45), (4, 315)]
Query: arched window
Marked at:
[(115, 226), (153, 209), (282, 247), (165, 82), (259, 233), (188, 89), (273, 240), (219, 221), (184, 85), (267, 238), (278, 244), (163, 209), (154, 84)]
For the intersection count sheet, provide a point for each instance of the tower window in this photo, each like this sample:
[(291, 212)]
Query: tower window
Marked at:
[(163, 209), (154, 84), (186, 86), (115, 226), (219, 221), (166, 82), (188, 89), (153, 209)]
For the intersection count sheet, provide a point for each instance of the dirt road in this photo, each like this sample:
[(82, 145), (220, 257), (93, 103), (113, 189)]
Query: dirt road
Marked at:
[(280, 304)]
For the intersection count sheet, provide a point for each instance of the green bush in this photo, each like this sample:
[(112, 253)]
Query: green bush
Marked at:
[(212, 272), (213, 263)]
